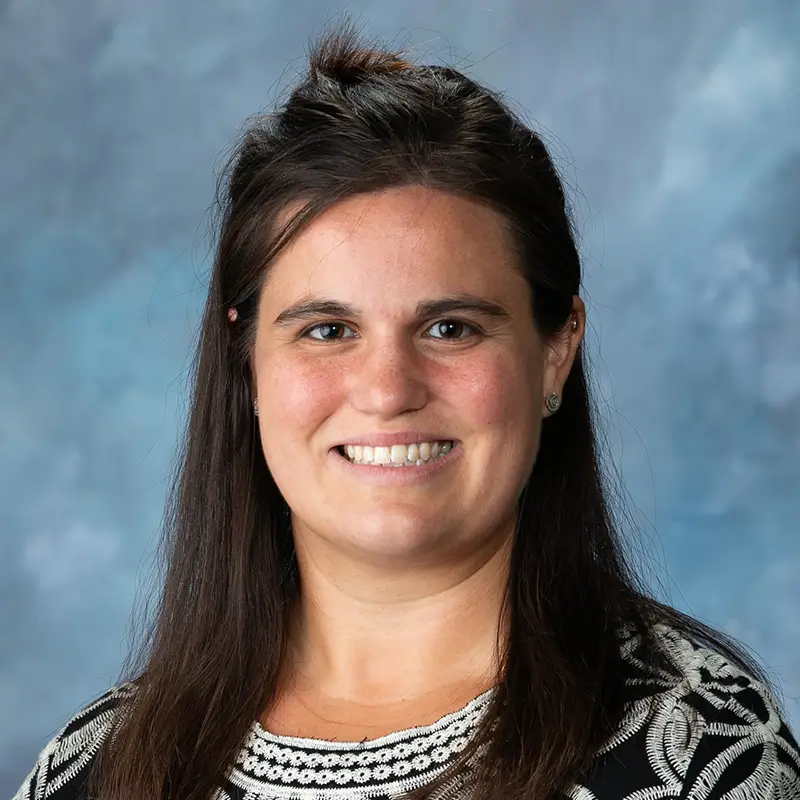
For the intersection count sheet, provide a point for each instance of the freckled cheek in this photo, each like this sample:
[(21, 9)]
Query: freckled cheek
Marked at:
[(300, 397), (490, 392)]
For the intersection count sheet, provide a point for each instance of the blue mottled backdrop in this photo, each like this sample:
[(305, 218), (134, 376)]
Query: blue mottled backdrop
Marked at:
[(676, 125)]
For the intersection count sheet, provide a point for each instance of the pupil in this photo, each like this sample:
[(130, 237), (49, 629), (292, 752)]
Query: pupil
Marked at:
[(449, 328), (330, 331)]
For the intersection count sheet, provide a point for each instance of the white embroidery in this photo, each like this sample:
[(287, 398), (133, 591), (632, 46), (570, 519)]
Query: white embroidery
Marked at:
[(711, 700), (302, 769)]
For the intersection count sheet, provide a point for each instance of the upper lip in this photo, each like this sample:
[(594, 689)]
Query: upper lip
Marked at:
[(389, 439)]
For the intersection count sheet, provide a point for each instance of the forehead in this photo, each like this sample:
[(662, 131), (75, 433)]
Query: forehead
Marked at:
[(400, 242)]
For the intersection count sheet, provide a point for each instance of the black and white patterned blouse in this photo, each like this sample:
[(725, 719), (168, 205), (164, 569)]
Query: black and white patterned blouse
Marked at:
[(714, 736)]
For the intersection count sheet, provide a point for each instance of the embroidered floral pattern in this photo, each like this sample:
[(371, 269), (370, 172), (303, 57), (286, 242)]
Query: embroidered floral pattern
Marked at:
[(706, 731)]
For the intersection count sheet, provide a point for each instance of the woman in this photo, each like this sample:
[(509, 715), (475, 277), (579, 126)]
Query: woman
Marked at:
[(392, 567)]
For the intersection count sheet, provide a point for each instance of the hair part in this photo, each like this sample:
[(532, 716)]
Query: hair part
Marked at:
[(364, 120)]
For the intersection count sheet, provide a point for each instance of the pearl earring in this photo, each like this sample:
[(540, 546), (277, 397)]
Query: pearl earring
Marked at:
[(255, 406)]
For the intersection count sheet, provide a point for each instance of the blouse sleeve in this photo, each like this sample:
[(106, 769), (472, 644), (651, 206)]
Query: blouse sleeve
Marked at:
[(747, 750), (61, 769)]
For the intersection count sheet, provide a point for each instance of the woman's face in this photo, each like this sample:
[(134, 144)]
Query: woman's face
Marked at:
[(397, 328)]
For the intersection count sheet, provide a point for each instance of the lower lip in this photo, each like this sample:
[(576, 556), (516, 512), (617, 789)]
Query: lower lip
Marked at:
[(395, 476)]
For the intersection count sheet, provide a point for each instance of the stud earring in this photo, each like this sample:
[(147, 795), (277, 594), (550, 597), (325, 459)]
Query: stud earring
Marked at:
[(255, 406), (553, 402)]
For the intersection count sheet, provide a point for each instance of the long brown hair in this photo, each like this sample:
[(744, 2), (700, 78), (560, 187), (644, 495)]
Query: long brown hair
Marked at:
[(362, 120)]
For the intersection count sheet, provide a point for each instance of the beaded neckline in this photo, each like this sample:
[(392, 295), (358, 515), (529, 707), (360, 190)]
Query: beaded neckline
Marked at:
[(301, 741), (276, 766)]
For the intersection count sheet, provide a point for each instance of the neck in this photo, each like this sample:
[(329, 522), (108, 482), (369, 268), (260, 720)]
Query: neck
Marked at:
[(366, 635)]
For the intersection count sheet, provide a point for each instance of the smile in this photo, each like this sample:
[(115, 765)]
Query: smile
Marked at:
[(398, 455)]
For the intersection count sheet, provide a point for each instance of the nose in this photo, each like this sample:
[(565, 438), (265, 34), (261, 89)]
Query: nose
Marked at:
[(389, 381)]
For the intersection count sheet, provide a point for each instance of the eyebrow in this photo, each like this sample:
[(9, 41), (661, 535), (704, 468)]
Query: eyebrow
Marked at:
[(312, 309)]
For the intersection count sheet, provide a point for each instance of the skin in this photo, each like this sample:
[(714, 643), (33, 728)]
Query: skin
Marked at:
[(402, 576)]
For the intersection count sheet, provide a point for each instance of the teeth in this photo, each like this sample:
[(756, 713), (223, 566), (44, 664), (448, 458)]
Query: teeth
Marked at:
[(398, 455), (382, 455)]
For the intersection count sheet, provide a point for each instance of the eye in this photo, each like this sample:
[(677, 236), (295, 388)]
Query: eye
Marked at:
[(451, 329), (328, 332)]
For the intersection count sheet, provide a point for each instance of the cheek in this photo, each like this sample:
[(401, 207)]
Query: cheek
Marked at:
[(297, 396), (493, 392)]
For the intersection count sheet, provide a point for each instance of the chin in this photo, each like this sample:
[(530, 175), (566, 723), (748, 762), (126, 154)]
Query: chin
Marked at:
[(394, 536)]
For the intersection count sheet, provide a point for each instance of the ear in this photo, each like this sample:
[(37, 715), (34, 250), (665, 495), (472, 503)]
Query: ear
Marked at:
[(560, 351)]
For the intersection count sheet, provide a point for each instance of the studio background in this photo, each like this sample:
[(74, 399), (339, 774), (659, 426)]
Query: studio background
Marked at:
[(676, 127)]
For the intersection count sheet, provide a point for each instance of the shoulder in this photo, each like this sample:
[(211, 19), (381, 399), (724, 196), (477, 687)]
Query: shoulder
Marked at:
[(63, 765), (690, 734)]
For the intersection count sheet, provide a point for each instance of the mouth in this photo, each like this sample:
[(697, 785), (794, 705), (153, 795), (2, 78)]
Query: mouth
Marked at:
[(398, 455)]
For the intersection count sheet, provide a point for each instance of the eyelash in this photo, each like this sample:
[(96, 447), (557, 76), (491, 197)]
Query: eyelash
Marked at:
[(471, 328)]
